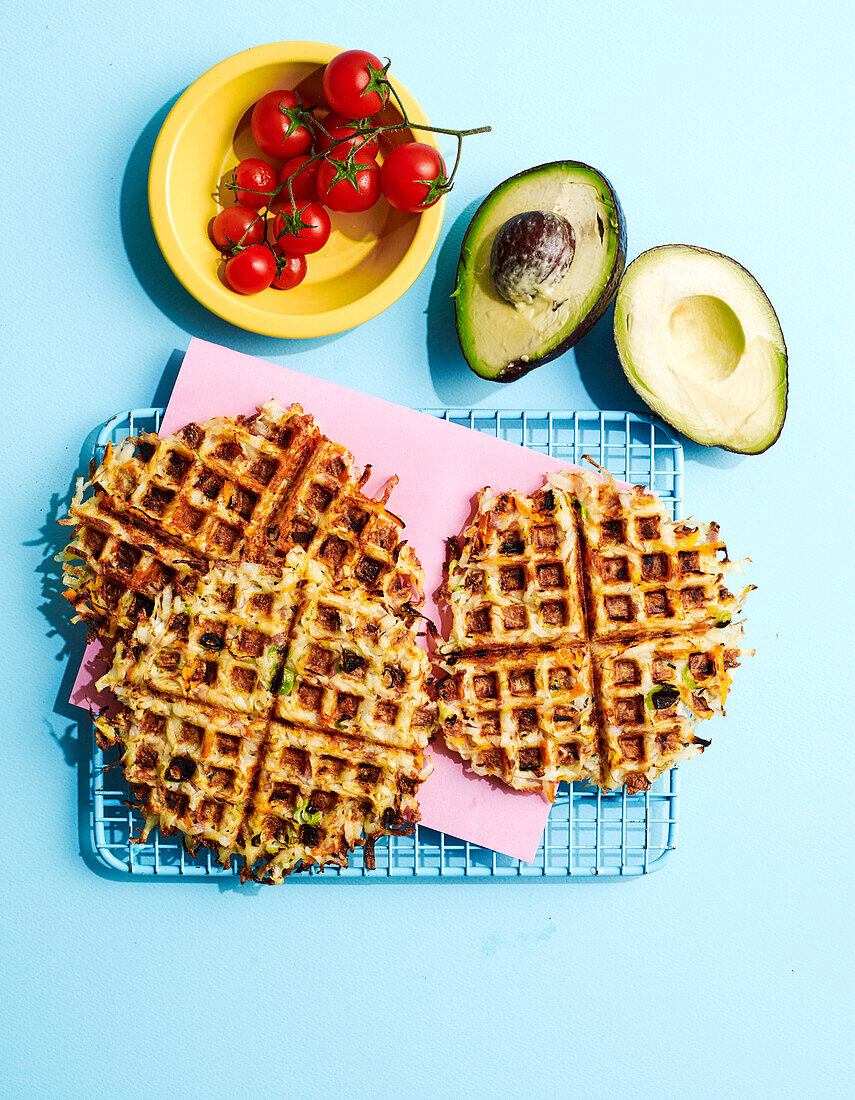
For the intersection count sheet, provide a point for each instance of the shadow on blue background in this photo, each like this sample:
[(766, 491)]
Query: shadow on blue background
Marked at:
[(167, 380), (454, 382), (155, 275), (75, 724), (601, 372)]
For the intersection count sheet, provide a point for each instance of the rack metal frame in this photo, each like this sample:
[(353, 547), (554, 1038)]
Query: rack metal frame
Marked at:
[(589, 834)]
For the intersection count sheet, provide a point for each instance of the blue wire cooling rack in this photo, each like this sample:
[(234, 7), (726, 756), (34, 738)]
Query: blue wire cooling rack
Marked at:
[(588, 833)]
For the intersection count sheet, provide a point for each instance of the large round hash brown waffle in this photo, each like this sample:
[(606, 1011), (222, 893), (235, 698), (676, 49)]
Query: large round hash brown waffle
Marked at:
[(261, 611)]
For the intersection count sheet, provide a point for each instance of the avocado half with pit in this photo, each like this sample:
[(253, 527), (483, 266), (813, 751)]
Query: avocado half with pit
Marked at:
[(700, 343), (539, 266)]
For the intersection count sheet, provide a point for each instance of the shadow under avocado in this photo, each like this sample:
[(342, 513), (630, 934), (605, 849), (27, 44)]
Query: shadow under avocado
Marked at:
[(155, 275), (709, 456), (455, 384), (601, 372)]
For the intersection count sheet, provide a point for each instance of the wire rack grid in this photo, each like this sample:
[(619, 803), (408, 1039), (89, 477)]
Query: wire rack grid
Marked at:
[(588, 834)]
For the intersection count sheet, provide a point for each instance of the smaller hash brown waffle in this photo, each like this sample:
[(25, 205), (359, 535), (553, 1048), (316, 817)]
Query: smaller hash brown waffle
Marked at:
[(588, 634), (261, 610)]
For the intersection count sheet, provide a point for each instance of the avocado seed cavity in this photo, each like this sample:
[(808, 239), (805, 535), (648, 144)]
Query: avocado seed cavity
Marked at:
[(703, 337), (531, 253)]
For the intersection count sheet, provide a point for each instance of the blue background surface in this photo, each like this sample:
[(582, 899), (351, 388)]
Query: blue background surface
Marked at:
[(728, 973)]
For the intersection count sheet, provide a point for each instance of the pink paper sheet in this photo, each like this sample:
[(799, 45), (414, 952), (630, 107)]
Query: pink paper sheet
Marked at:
[(440, 467)]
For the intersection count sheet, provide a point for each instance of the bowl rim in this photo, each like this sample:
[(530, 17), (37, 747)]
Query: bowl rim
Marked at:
[(241, 312)]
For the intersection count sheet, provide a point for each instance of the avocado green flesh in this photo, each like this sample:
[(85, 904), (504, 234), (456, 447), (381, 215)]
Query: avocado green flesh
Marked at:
[(699, 341), (499, 338)]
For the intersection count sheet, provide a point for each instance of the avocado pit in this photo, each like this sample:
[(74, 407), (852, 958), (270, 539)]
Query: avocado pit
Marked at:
[(531, 254)]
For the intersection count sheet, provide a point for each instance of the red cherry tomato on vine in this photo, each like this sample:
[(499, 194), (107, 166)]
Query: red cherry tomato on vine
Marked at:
[(403, 173), (236, 225), (329, 122), (276, 126), (353, 84), (254, 181), (343, 134), (349, 188), (343, 138), (292, 270), (312, 234), (303, 183), (251, 270)]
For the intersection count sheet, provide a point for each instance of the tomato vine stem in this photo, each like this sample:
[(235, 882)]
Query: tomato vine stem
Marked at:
[(304, 115)]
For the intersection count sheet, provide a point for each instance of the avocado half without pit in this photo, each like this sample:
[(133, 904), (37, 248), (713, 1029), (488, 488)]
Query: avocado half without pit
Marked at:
[(700, 343), (539, 266)]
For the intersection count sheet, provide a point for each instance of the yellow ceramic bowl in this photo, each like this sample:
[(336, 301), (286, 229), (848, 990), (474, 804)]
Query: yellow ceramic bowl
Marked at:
[(370, 258)]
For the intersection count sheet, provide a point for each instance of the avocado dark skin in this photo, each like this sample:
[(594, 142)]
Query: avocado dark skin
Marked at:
[(518, 367)]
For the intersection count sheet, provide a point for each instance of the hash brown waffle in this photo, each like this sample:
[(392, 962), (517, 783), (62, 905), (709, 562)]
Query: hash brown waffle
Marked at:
[(645, 574), (114, 568), (344, 658), (645, 605), (340, 791), (651, 694), (516, 580), (228, 490), (221, 755), (219, 644), (210, 486), (189, 766), (222, 562), (523, 715), (356, 539)]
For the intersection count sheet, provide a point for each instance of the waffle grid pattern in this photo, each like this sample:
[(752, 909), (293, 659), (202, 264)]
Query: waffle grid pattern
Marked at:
[(589, 833)]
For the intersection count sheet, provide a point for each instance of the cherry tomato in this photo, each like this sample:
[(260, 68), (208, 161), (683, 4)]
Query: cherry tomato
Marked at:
[(314, 229), (329, 122), (342, 138), (350, 188), (353, 84), (254, 181), (342, 134), (251, 270), (292, 270), (403, 174), (303, 183), (236, 225), (276, 127)]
